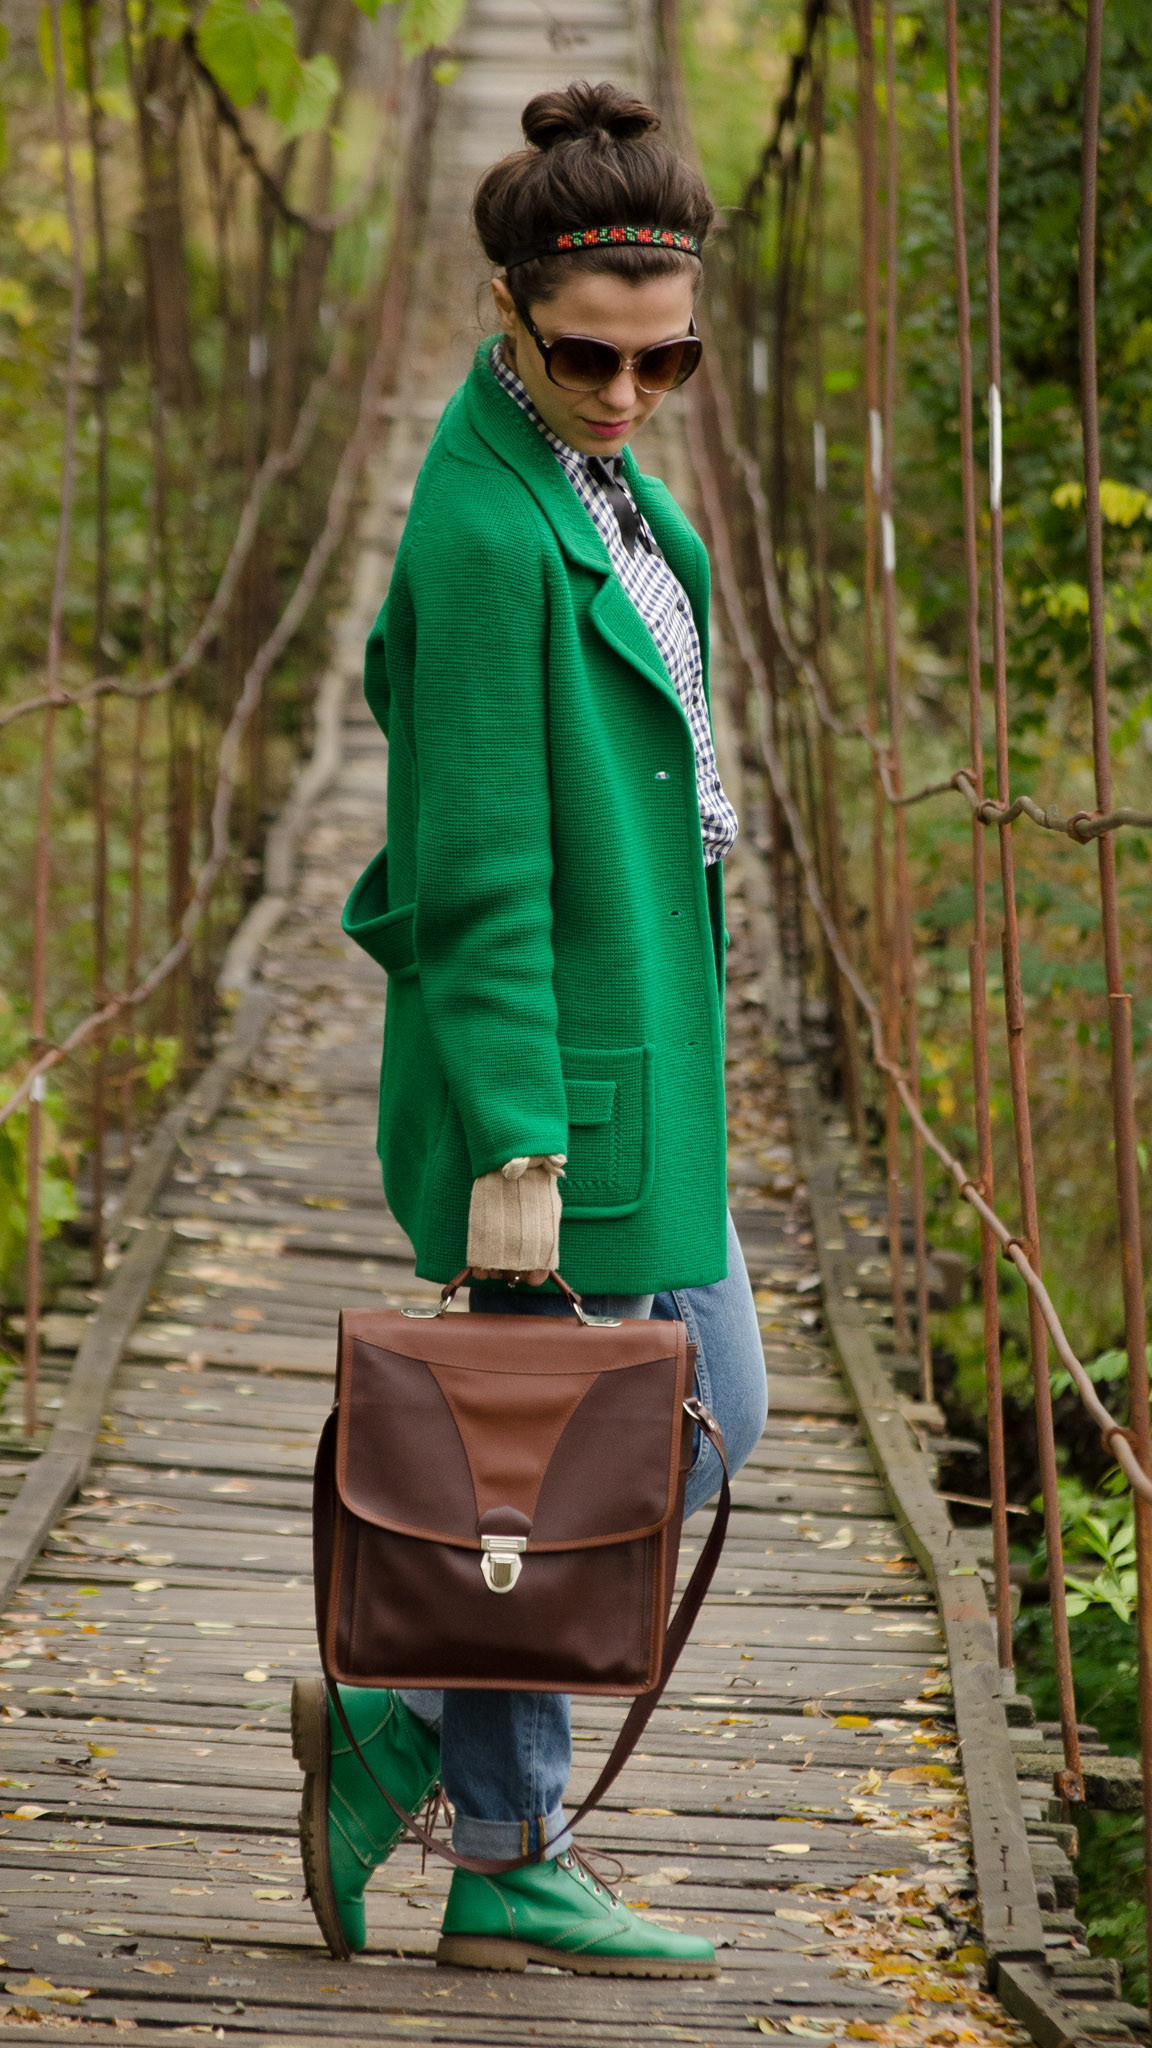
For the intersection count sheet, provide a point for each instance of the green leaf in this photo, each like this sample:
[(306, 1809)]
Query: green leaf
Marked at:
[(1122, 504), (426, 24), (252, 49), (317, 84), (163, 1058), (16, 302), (248, 47), (1110, 1366), (370, 7)]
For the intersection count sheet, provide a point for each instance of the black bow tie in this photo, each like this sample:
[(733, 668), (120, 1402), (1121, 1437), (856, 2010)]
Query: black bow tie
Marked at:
[(608, 476)]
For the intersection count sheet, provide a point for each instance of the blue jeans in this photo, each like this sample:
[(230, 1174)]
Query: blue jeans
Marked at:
[(506, 1756)]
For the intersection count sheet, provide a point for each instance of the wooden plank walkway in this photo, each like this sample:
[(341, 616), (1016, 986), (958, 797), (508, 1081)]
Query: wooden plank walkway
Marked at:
[(795, 1799)]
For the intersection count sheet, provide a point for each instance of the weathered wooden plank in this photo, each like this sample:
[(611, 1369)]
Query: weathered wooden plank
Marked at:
[(1010, 1915), (51, 1482)]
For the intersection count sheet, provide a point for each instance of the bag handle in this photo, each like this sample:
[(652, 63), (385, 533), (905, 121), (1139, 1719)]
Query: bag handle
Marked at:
[(584, 1315), (641, 1711)]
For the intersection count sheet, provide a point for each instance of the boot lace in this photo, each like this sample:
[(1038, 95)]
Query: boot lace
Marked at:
[(434, 1809), (583, 1863)]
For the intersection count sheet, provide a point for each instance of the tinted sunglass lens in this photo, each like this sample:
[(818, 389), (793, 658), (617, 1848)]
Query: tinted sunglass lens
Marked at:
[(579, 365), (669, 364)]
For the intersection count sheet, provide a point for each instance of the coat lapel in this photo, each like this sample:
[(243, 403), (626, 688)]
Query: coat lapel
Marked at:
[(499, 422)]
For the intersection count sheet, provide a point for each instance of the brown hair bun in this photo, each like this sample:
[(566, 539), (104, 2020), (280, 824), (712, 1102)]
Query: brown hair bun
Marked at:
[(593, 161), (581, 109)]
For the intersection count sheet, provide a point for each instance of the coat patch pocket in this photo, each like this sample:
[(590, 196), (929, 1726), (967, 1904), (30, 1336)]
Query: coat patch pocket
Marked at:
[(611, 1129), (386, 935)]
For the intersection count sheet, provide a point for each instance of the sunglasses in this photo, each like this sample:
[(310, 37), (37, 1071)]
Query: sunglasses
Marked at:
[(576, 362)]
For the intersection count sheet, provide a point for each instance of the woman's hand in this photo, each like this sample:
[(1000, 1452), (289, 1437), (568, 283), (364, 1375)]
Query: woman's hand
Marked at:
[(514, 1220)]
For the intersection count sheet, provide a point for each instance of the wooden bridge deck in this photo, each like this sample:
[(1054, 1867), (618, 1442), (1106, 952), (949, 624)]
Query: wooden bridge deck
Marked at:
[(795, 1799)]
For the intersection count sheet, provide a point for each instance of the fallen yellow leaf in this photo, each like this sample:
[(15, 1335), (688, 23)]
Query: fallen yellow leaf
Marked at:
[(853, 1721), (42, 1987), (922, 1774), (654, 1812), (972, 1955), (156, 1969)]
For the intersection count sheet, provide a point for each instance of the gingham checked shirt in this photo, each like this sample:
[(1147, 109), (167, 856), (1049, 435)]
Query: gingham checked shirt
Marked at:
[(662, 604)]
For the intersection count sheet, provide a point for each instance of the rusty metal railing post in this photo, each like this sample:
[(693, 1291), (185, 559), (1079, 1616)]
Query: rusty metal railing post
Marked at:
[(1069, 1781), (885, 957), (902, 889), (847, 1028), (978, 952), (1119, 1003), (42, 857)]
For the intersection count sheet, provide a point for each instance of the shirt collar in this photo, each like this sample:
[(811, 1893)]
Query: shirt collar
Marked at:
[(570, 458)]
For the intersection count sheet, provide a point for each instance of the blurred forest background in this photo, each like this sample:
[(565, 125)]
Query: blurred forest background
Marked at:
[(736, 56), (197, 215)]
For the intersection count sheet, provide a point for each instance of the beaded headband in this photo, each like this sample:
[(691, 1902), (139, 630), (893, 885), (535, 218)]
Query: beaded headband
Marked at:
[(574, 239)]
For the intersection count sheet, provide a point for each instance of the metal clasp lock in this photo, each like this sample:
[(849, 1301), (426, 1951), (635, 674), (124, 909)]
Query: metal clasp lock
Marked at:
[(501, 1561)]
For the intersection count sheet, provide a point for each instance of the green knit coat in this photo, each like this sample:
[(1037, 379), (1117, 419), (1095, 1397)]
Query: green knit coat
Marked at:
[(553, 942)]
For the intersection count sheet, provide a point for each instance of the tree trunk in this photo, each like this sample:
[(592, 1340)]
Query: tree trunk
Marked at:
[(160, 93)]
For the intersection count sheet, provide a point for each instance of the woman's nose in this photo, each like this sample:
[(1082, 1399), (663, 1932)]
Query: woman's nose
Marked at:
[(620, 394)]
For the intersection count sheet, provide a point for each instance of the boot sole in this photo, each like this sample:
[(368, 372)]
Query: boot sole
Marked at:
[(311, 1747), (491, 1952)]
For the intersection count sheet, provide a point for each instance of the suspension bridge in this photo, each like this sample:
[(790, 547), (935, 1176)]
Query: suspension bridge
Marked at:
[(842, 1789)]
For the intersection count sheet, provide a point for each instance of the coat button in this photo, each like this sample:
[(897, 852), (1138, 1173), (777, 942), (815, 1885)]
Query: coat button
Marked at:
[(662, 775)]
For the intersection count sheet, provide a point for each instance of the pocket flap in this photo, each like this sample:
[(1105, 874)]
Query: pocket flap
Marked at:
[(424, 1445), (590, 1102), (386, 935)]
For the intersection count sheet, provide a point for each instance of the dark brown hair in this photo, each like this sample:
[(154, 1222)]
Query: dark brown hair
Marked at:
[(592, 161)]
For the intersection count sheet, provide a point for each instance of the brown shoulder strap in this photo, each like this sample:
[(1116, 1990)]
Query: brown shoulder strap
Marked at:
[(640, 1712)]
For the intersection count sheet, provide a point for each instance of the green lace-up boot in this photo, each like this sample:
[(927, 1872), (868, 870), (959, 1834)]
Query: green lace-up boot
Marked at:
[(346, 1829), (559, 1913)]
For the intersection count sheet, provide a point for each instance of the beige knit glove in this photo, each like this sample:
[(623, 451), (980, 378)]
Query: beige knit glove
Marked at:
[(514, 1219)]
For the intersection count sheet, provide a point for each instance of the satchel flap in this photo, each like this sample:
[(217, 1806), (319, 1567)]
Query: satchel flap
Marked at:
[(579, 1431)]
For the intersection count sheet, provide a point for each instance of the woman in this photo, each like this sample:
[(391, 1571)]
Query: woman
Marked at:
[(549, 910)]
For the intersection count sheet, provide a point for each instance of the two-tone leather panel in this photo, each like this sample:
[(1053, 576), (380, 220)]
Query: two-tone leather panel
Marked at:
[(427, 1446)]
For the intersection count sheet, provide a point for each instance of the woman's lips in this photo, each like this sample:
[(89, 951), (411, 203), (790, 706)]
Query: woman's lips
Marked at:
[(608, 430)]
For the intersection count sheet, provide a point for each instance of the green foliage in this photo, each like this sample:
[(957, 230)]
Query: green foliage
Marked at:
[(57, 1192), (1040, 158), (428, 24), (156, 1060), (1110, 1866), (250, 46), (1110, 1367), (1111, 1872), (1099, 1529), (71, 40)]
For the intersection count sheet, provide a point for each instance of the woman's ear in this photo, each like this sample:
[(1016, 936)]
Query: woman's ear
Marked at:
[(505, 305)]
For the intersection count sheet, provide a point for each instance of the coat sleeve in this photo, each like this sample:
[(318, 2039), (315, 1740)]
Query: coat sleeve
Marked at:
[(479, 720)]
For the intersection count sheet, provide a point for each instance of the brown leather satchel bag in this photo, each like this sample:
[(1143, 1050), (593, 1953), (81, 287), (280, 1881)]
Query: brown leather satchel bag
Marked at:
[(498, 1504)]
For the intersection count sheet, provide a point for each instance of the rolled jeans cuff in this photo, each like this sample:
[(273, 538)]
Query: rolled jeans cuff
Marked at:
[(509, 1838)]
